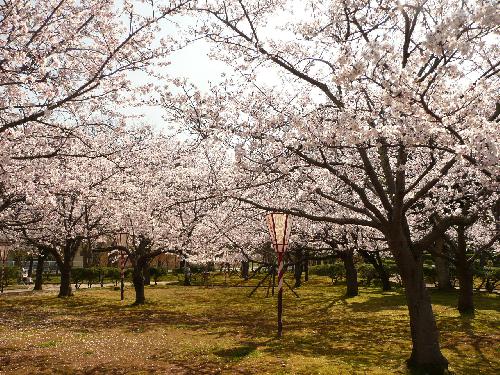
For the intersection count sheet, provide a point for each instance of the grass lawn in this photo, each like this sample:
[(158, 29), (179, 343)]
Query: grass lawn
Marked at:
[(198, 330)]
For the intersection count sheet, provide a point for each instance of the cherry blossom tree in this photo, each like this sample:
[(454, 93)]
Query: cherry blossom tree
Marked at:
[(162, 197), (66, 66), (60, 57), (67, 205), (463, 244), (370, 108)]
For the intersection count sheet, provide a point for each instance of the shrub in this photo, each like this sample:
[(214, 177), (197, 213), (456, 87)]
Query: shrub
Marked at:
[(367, 272), (11, 275), (77, 276), (492, 277), (335, 271), (430, 275), (88, 275), (489, 275), (113, 274), (392, 269), (156, 273)]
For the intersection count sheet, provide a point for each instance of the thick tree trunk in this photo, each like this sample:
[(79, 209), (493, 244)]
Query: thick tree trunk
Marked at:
[(465, 294), (39, 272), (442, 267), (464, 275), (351, 274), (30, 267), (65, 287), (443, 274), (426, 354), (138, 279), (382, 273), (245, 267), (386, 284)]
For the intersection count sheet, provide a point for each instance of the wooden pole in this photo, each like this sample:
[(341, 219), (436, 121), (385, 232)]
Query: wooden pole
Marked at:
[(280, 294)]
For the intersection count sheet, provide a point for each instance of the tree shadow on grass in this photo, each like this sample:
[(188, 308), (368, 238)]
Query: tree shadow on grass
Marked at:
[(236, 353), (460, 337), (370, 330)]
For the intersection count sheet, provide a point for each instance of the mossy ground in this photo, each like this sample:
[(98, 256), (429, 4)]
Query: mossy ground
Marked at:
[(199, 330)]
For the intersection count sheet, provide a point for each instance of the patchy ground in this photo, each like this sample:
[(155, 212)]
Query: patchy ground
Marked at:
[(198, 330)]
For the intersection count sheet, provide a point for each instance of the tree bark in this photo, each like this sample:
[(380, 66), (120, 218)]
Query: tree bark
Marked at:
[(465, 294), (245, 267), (299, 262), (39, 272), (351, 274), (442, 267), (306, 266), (384, 275), (376, 261), (138, 279), (187, 274), (386, 282), (30, 267), (65, 287), (426, 354)]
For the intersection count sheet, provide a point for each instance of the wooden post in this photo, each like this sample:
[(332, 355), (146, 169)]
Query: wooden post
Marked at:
[(280, 294)]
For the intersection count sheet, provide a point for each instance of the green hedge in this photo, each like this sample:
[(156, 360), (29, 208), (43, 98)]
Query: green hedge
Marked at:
[(157, 272), (94, 275), (367, 272), (12, 275), (334, 271)]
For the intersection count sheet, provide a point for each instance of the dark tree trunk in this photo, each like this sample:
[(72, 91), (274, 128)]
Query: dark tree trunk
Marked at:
[(138, 279), (30, 267), (39, 272), (386, 282), (351, 274), (298, 267), (384, 275), (187, 275), (442, 267), (245, 268), (376, 261), (464, 275), (306, 266), (465, 294), (65, 264), (426, 354), (146, 274), (65, 287), (443, 274), (87, 260)]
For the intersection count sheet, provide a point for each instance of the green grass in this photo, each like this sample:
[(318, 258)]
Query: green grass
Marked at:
[(198, 330), (48, 344)]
